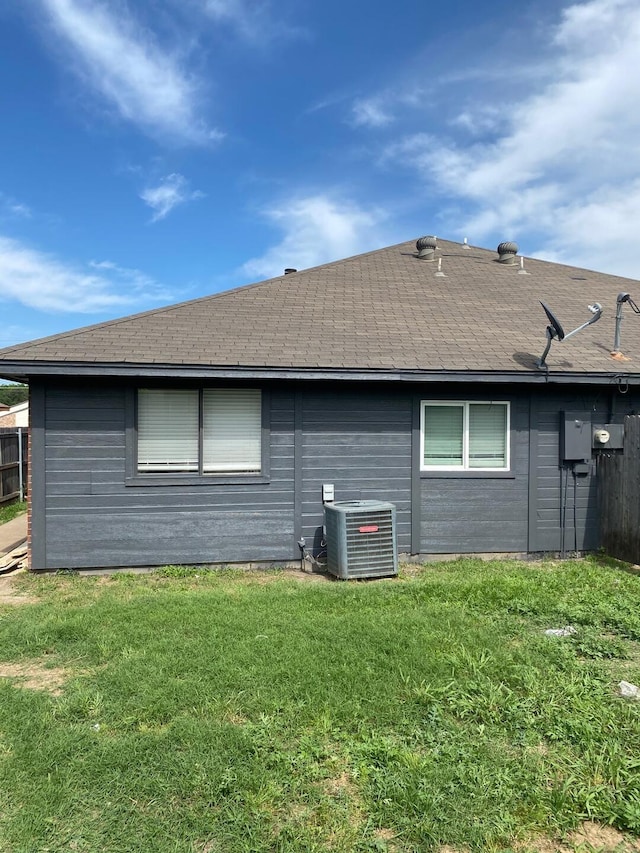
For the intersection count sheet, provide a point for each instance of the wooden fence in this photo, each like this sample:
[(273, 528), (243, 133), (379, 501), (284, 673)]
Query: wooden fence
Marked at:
[(14, 455), (619, 494)]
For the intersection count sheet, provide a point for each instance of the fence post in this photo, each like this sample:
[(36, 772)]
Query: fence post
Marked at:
[(21, 479)]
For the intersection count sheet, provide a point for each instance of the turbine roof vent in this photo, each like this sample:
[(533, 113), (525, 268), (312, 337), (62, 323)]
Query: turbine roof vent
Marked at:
[(507, 252), (426, 247)]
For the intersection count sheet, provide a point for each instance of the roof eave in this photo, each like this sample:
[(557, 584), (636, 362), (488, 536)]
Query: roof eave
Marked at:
[(23, 371)]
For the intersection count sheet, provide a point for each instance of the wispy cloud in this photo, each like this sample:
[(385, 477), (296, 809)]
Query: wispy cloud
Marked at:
[(42, 281), (253, 20), (316, 229), (563, 162), (124, 63), (169, 193), (13, 209), (370, 112)]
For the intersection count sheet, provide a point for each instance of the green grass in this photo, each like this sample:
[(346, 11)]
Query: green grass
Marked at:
[(9, 511), (232, 712)]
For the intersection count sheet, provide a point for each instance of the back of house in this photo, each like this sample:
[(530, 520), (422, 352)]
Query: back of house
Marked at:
[(211, 431)]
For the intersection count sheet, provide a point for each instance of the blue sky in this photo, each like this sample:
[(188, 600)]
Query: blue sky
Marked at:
[(159, 150)]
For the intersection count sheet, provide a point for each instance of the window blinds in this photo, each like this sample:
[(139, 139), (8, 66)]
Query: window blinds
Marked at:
[(443, 435), (232, 430), (465, 435), (487, 435), (170, 423), (167, 430)]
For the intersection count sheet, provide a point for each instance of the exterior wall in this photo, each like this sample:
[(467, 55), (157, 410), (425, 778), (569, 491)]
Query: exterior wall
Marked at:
[(364, 439), (483, 512), (93, 519), (360, 441), (552, 487)]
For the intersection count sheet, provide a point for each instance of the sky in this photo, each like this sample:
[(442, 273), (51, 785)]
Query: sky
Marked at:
[(155, 151)]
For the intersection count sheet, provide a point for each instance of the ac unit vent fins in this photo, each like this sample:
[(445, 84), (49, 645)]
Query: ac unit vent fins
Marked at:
[(361, 539)]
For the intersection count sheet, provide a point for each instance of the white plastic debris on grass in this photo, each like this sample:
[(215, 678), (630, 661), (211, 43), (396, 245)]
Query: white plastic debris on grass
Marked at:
[(567, 631), (629, 691)]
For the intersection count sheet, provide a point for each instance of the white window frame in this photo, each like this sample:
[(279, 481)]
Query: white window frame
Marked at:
[(158, 470), (464, 405)]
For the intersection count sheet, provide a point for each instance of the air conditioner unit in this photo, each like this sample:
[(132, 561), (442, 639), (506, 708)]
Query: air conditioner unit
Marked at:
[(361, 539)]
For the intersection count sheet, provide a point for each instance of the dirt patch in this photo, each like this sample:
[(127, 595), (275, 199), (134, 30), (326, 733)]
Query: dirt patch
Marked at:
[(8, 594), (387, 837), (543, 845), (34, 676), (257, 576), (339, 786), (207, 847), (603, 839), (588, 838)]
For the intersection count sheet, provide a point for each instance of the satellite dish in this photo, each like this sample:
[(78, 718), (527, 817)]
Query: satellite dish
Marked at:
[(555, 323), (555, 330)]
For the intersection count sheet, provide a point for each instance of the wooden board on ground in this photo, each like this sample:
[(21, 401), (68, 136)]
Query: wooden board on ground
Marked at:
[(13, 559)]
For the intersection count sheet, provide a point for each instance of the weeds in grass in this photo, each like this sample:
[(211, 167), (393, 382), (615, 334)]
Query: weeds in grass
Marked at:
[(9, 511), (212, 711)]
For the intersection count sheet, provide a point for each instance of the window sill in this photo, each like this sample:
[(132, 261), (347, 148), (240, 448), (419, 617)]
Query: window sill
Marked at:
[(145, 480), (467, 475)]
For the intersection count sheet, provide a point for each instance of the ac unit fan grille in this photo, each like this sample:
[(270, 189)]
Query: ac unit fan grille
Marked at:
[(370, 552)]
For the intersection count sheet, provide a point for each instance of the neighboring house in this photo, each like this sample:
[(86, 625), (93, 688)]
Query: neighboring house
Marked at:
[(203, 432), (14, 416)]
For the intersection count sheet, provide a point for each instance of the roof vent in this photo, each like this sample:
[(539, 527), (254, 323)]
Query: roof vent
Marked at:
[(507, 253), (426, 247), (289, 270)]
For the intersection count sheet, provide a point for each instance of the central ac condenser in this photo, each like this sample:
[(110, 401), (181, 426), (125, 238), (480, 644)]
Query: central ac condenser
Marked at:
[(361, 539)]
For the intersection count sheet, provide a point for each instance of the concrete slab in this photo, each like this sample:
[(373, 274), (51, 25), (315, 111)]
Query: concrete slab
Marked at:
[(13, 533)]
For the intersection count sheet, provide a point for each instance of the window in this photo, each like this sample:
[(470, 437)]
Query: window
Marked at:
[(202, 431), (465, 436)]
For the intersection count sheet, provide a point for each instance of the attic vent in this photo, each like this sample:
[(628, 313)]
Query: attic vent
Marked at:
[(289, 270), (507, 253), (426, 247)]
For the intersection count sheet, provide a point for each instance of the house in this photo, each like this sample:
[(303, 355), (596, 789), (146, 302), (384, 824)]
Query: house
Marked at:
[(203, 432), (14, 416)]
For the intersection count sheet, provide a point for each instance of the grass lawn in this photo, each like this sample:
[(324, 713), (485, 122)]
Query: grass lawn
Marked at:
[(218, 712), (9, 511)]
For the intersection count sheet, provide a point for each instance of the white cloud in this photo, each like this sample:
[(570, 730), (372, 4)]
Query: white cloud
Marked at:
[(41, 281), (565, 160), (123, 63), (10, 208), (170, 192), (253, 20), (370, 112), (316, 229)]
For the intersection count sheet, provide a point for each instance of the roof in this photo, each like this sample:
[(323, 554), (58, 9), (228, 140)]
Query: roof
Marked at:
[(384, 312)]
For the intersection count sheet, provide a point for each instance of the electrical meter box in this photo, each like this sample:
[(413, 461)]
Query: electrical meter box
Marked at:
[(608, 436), (575, 437)]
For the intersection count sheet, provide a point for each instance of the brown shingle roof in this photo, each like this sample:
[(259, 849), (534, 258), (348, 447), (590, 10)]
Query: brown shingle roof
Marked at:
[(384, 310)]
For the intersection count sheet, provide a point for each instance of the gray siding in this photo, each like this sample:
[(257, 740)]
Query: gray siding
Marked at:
[(480, 513), (362, 438), (94, 519), (552, 487), (359, 440)]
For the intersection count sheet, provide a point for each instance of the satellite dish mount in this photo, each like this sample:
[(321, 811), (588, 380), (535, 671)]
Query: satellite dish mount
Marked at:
[(556, 332)]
